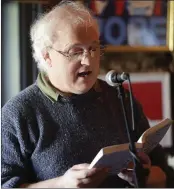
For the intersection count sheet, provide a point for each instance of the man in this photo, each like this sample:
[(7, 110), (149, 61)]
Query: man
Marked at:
[(52, 130)]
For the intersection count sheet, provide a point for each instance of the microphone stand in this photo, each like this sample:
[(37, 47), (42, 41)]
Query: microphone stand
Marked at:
[(139, 172)]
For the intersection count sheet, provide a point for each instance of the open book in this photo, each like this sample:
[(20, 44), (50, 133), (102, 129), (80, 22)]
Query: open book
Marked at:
[(118, 156)]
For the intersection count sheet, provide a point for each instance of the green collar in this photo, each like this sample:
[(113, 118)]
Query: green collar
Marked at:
[(46, 87), (50, 91)]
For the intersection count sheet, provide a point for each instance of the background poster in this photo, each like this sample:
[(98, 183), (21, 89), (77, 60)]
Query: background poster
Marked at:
[(130, 22)]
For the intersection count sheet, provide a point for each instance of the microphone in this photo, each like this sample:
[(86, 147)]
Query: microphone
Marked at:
[(113, 78)]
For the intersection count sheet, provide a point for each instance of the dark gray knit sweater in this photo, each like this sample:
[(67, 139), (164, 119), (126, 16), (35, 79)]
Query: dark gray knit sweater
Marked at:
[(42, 139)]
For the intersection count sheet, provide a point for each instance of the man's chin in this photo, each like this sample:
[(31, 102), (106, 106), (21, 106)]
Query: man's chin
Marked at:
[(83, 91), (84, 88)]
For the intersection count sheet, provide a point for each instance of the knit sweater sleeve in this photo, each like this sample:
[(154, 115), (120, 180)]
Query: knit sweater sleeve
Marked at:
[(15, 150), (158, 156)]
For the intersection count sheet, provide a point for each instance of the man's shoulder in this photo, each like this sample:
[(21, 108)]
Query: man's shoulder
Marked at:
[(22, 99)]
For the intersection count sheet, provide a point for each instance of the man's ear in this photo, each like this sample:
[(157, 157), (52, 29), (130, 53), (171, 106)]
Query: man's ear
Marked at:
[(47, 58)]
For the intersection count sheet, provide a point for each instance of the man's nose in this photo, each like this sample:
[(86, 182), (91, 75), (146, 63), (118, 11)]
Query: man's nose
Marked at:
[(86, 59)]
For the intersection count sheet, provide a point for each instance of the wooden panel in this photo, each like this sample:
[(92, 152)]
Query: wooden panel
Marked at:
[(127, 48)]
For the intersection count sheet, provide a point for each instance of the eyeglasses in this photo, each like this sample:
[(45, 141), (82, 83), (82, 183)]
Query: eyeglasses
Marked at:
[(77, 53)]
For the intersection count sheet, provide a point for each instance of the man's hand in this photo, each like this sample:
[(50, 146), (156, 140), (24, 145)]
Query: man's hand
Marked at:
[(156, 177), (79, 176)]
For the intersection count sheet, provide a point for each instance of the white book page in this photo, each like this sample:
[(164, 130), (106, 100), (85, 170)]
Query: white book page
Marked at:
[(152, 137)]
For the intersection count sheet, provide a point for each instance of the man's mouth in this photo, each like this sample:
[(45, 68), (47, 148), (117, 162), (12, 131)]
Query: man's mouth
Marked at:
[(84, 74)]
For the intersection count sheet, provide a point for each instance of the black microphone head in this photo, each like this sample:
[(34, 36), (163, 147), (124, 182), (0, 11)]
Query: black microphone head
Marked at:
[(122, 77), (109, 78)]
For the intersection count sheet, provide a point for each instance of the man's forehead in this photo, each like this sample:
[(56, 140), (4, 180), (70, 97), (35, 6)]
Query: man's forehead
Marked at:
[(77, 35), (70, 19)]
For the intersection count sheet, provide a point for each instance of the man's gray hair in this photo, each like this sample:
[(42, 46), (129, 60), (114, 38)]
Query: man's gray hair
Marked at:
[(44, 31)]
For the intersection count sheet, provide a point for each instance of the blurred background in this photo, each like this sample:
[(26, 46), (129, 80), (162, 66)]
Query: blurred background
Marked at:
[(139, 39)]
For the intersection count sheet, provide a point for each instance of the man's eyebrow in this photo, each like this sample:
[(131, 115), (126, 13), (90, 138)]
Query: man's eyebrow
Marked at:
[(97, 42), (73, 45)]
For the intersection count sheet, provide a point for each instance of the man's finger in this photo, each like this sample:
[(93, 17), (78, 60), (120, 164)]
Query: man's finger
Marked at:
[(144, 158), (81, 166), (95, 171), (79, 174), (95, 179)]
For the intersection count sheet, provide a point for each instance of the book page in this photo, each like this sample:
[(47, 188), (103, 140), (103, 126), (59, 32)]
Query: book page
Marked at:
[(152, 137)]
